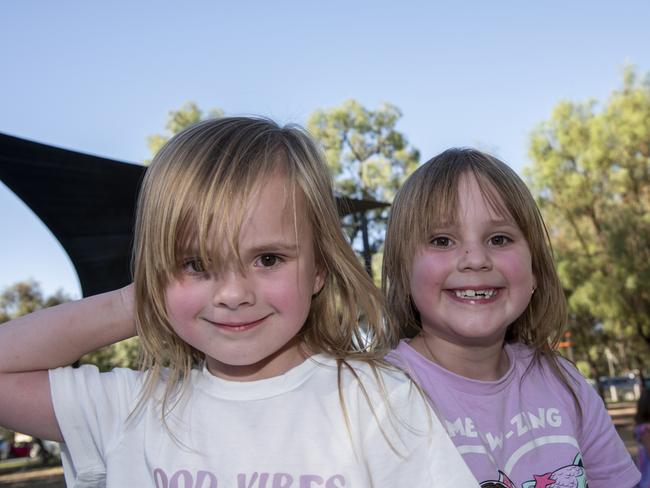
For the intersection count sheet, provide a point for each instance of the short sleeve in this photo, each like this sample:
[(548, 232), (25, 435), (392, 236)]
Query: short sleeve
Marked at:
[(91, 409), (408, 446), (606, 460)]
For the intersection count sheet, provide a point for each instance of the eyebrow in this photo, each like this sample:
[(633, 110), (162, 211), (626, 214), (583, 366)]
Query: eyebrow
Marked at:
[(494, 222), (270, 247), (502, 222), (280, 245), (274, 246)]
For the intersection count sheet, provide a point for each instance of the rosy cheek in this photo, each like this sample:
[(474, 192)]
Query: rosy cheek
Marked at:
[(281, 293), (426, 273), (519, 268), (180, 301)]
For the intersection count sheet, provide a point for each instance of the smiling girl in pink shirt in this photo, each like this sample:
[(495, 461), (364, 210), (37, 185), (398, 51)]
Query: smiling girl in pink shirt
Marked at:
[(471, 282)]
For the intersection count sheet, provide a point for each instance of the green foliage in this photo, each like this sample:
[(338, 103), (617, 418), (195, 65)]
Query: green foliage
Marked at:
[(177, 120), (369, 159), (124, 354), (25, 297), (591, 175)]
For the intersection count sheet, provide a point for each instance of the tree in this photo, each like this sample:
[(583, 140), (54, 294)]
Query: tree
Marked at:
[(591, 175), (26, 297), (369, 159), (177, 120)]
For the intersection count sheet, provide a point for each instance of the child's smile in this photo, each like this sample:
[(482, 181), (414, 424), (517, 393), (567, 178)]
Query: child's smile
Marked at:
[(477, 294), (236, 325)]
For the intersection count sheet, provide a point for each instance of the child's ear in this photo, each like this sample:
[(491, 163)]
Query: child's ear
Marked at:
[(319, 280), (534, 285)]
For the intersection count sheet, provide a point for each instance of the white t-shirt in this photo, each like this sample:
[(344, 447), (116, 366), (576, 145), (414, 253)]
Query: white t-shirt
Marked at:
[(288, 431)]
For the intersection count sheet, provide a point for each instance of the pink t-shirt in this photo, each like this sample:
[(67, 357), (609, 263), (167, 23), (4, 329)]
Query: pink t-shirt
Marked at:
[(524, 431)]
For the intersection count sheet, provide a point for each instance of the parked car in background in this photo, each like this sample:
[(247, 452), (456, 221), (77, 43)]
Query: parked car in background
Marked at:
[(621, 388), (27, 446), (20, 449)]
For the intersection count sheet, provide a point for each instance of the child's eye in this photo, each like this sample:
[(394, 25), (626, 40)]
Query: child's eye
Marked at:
[(193, 265), (441, 241), (500, 240), (267, 260)]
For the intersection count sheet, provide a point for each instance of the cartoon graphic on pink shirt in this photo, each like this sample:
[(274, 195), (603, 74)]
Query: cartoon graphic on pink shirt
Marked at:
[(502, 482), (570, 476)]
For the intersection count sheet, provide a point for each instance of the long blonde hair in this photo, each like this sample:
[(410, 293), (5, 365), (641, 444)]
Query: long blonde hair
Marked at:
[(195, 190), (430, 196)]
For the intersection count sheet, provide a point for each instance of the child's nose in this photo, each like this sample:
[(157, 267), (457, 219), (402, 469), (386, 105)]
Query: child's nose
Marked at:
[(232, 290), (474, 257)]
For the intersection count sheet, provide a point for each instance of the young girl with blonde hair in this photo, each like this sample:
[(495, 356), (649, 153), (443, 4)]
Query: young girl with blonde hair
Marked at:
[(247, 301), (470, 280)]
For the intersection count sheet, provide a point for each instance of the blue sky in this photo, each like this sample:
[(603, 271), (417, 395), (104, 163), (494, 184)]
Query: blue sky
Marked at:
[(99, 77)]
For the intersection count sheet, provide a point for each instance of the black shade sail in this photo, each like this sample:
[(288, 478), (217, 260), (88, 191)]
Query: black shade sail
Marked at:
[(88, 203)]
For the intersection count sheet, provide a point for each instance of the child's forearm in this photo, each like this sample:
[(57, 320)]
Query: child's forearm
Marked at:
[(60, 335)]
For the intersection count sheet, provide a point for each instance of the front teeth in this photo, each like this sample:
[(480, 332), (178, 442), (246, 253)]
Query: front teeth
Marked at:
[(475, 293)]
